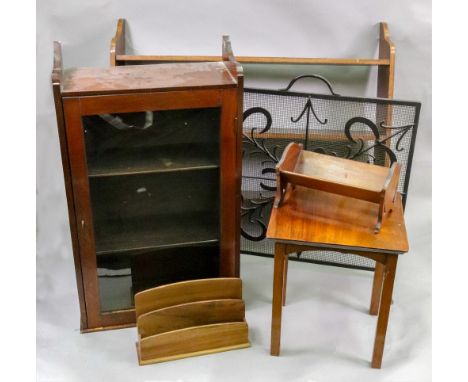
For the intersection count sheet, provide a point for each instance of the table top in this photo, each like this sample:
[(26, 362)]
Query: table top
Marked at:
[(322, 219)]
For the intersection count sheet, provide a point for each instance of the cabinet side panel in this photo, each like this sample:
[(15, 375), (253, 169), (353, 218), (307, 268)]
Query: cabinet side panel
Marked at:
[(230, 185), (83, 214), (239, 125), (70, 203)]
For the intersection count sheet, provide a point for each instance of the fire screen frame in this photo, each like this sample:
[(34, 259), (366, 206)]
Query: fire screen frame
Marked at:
[(388, 143)]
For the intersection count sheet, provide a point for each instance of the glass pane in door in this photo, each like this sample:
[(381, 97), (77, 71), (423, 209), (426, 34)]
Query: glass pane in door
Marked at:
[(154, 187)]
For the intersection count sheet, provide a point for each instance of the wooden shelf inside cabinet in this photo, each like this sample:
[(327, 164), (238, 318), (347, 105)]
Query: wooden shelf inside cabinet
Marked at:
[(171, 231), (152, 142), (156, 160), (190, 318), (376, 184)]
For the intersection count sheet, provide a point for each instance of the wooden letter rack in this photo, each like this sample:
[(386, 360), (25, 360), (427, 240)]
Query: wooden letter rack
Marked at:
[(376, 184), (190, 318)]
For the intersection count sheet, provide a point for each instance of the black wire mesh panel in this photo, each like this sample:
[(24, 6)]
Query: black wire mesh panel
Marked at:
[(377, 131)]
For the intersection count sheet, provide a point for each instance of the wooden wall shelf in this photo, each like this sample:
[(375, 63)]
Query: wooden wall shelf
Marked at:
[(190, 318), (385, 61), (129, 59)]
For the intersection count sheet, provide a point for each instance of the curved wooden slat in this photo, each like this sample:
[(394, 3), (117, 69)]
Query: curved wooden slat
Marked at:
[(193, 342), (187, 291), (189, 315)]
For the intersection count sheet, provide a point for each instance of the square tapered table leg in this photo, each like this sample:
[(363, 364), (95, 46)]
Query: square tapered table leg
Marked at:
[(278, 280), (285, 278), (384, 311), (376, 289)]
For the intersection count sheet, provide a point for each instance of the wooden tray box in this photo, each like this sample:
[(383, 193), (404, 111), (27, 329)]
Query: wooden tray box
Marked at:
[(376, 184)]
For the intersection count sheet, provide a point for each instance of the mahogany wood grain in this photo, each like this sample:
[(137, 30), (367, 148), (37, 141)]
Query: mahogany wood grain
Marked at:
[(130, 59), (230, 186), (285, 277), (376, 289), (229, 60), (339, 170), (133, 79), (56, 87), (386, 73), (211, 318), (91, 91), (382, 298), (186, 292), (193, 341), (385, 84), (120, 57), (122, 103), (290, 157), (284, 168), (237, 171), (314, 135), (310, 220), (384, 311), (118, 42), (276, 310), (391, 187), (377, 184), (109, 327), (335, 221), (83, 212), (190, 314), (385, 89), (388, 193), (363, 252)]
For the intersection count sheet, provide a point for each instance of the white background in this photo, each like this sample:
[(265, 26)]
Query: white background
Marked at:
[(317, 351)]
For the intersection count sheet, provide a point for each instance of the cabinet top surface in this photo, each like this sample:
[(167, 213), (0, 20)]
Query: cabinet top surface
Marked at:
[(142, 78)]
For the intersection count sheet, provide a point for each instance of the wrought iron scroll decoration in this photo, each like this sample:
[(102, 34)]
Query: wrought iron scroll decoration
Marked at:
[(309, 107), (257, 206), (307, 110), (400, 132)]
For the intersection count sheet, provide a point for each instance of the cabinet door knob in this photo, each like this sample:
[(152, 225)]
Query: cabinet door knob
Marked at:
[(82, 223)]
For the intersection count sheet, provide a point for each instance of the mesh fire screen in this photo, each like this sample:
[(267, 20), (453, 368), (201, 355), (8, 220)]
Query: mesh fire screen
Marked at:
[(377, 131)]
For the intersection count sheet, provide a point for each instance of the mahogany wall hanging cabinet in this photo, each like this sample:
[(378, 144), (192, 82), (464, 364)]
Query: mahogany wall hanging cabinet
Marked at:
[(152, 198)]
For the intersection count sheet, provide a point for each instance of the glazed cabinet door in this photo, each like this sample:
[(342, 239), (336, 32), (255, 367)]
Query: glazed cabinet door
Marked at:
[(148, 190)]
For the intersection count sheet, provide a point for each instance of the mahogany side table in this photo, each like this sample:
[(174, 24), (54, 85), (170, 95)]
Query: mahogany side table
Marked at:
[(311, 219)]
